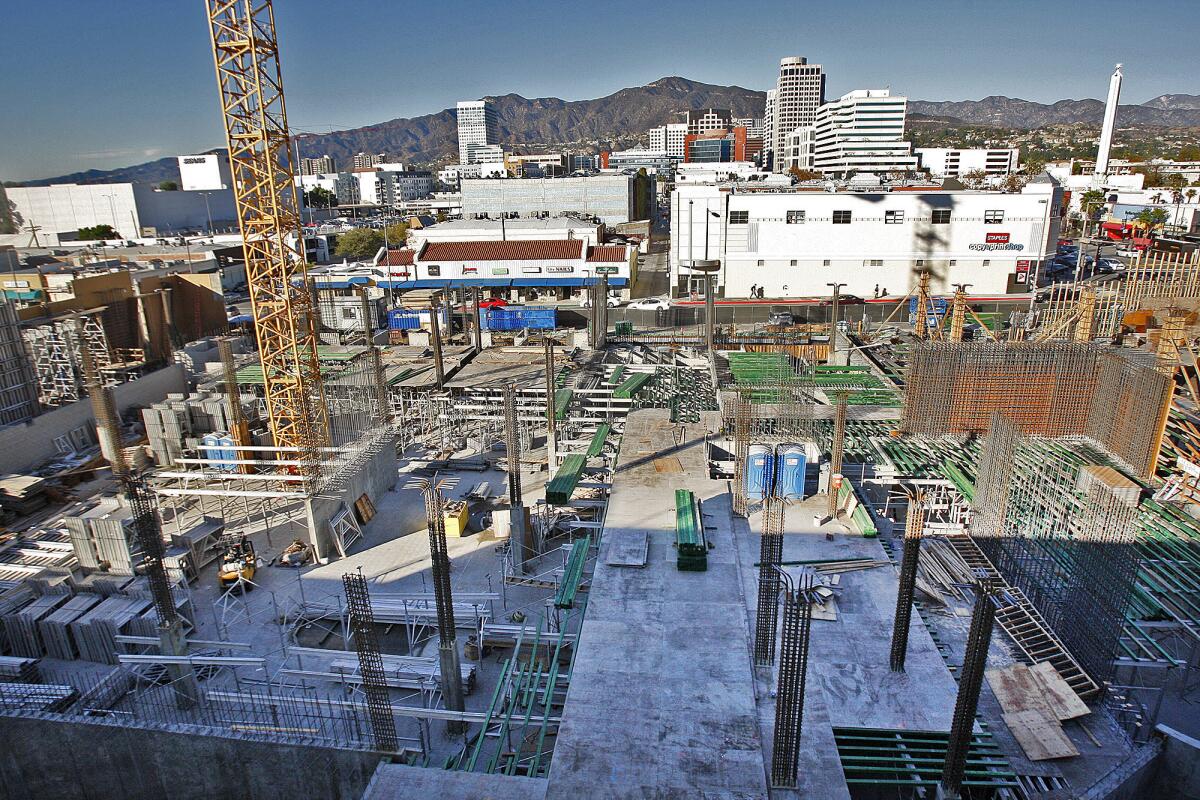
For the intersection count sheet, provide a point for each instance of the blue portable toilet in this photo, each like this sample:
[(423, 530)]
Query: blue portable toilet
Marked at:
[(790, 464), (219, 456), (760, 469)]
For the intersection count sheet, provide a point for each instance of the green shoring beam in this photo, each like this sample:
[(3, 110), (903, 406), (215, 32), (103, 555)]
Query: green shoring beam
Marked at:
[(915, 758), (596, 446), (505, 671), (960, 480), (632, 385), (526, 670), (562, 485), (692, 549), (562, 401), (572, 575), (551, 686), (618, 375)]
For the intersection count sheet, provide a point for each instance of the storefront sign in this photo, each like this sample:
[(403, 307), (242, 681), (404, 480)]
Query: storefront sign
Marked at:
[(606, 270), (531, 270), (560, 270), (997, 238), (499, 270)]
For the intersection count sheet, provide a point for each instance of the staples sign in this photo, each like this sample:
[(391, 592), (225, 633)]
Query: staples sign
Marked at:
[(997, 238)]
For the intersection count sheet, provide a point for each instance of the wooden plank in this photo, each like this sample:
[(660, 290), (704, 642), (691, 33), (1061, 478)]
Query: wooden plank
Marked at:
[(1017, 690), (1061, 698), (1040, 735), (668, 464)]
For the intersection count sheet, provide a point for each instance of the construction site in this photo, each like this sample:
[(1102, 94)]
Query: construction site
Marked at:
[(943, 555)]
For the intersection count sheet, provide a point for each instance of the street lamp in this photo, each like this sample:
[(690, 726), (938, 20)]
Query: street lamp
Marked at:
[(208, 210), (833, 329)]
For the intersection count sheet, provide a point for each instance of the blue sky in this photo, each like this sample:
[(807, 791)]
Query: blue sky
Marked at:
[(92, 84)]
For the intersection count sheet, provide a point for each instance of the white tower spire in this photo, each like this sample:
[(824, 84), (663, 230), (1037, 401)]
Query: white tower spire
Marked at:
[(1110, 123)]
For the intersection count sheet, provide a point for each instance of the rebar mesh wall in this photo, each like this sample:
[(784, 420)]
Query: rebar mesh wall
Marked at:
[(1052, 389)]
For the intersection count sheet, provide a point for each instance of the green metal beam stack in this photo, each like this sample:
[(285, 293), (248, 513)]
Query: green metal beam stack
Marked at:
[(883, 757), (572, 576), (562, 485), (631, 386), (692, 555), (562, 401), (596, 446)]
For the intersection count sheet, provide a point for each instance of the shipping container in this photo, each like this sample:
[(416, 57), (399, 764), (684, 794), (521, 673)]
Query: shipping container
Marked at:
[(414, 319), (516, 318), (790, 466), (760, 471)]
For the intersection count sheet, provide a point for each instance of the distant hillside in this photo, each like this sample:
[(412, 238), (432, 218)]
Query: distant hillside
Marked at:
[(1178, 110), (624, 116)]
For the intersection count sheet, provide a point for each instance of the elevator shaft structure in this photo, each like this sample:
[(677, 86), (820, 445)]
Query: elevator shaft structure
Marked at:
[(250, 82)]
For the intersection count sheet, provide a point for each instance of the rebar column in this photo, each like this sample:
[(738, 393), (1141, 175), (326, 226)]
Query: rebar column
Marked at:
[(970, 681), (370, 661), (447, 640), (517, 531), (913, 524), (770, 554), (435, 337), (170, 629), (793, 669), (551, 423), (836, 449), (108, 430)]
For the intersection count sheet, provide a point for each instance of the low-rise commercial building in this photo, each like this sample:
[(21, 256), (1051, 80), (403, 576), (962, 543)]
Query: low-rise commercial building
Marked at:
[(609, 198), (489, 230), (793, 243), (946, 162)]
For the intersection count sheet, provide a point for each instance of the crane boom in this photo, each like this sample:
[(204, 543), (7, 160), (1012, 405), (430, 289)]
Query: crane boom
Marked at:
[(250, 82)]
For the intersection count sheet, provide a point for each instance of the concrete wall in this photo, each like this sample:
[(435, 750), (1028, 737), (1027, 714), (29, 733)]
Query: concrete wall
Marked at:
[(45, 757), (1178, 773), (374, 479), (25, 446)]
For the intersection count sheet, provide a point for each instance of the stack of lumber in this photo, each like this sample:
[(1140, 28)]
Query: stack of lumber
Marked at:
[(16, 668), (21, 626), (1036, 701), (940, 569), (848, 565), (22, 494), (55, 627), (35, 696), (95, 632)]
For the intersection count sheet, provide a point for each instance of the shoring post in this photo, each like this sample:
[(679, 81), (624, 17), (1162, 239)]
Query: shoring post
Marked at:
[(435, 337)]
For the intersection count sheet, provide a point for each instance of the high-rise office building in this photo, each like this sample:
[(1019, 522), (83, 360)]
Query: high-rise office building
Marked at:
[(707, 120), (669, 139), (477, 125), (863, 131), (799, 92), (321, 165)]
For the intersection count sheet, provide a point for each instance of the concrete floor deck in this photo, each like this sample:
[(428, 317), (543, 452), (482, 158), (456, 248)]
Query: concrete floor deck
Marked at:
[(662, 689)]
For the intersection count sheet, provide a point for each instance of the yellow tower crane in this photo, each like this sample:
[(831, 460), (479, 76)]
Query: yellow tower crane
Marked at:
[(250, 82)]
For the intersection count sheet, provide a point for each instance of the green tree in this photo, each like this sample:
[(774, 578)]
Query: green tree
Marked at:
[(396, 233), (1152, 218), (320, 197), (1174, 181), (360, 243), (1014, 182), (1189, 152), (974, 178), (169, 186), (1033, 165), (98, 232)]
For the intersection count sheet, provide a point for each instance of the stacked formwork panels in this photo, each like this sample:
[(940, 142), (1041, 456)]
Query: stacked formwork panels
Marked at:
[(57, 358), (179, 423), (18, 385)]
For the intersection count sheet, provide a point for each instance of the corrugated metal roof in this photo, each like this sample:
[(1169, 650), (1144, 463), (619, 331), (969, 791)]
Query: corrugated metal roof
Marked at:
[(525, 250)]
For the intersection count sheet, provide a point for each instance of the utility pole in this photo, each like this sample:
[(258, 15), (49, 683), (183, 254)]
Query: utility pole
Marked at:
[(551, 423), (435, 338)]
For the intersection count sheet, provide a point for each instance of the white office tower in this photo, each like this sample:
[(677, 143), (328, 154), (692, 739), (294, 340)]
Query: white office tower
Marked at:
[(799, 92), (798, 149), (1110, 124), (769, 128), (477, 125), (669, 139), (863, 131)]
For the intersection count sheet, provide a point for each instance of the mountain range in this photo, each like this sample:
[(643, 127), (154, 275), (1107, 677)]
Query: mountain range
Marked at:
[(619, 119)]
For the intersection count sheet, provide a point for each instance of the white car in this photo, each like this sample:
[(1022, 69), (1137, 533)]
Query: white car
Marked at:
[(651, 304), (1128, 252), (586, 301)]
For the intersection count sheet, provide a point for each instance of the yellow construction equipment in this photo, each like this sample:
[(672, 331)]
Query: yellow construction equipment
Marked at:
[(246, 53), (239, 563)]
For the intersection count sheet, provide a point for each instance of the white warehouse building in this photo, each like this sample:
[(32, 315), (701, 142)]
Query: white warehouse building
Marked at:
[(794, 243)]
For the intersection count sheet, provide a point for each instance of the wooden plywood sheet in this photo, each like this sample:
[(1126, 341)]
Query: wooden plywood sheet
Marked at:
[(1040, 735), (627, 548), (1017, 689), (1063, 701), (668, 464)]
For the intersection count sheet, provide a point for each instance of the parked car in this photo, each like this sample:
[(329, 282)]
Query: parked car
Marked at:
[(650, 304), (845, 300), (493, 302), (586, 301), (1110, 265), (780, 316), (1128, 251)]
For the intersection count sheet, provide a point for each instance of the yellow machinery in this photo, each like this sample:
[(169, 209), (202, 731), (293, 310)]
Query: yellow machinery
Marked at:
[(246, 52), (456, 517), (238, 563)]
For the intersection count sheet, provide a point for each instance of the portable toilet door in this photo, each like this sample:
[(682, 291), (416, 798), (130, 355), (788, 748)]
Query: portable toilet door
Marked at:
[(759, 468), (790, 464)]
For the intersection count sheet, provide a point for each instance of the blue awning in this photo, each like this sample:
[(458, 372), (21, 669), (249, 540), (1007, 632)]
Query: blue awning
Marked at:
[(618, 281), (550, 281)]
